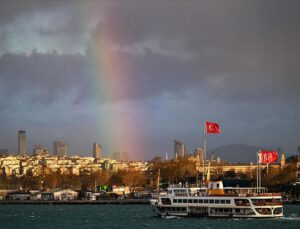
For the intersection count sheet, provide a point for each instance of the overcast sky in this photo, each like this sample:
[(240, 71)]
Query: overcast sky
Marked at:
[(134, 75)]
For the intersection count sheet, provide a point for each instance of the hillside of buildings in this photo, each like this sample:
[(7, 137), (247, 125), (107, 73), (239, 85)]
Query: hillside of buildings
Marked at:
[(87, 173)]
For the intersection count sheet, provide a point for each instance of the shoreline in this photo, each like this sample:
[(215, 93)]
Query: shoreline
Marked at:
[(77, 202), (95, 202)]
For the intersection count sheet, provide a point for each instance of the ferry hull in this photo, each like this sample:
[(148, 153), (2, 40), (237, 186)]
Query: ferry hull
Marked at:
[(187, 211)]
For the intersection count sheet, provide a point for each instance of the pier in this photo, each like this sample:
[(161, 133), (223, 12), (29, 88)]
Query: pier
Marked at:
[(77, 202)]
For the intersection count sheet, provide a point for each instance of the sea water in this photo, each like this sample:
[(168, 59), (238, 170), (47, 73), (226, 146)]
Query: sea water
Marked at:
[(127, 216)]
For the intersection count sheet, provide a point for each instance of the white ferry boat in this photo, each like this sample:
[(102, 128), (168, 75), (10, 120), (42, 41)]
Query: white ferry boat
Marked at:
[(217, 201)]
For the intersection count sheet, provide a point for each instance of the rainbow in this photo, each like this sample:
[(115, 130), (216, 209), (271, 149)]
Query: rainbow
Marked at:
[(110, 78)]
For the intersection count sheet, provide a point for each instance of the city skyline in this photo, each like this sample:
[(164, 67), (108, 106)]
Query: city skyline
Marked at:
[(110, 72)]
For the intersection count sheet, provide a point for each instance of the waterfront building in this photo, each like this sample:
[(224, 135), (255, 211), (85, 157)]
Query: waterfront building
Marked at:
[(97, 151), (179, 149), (65, 194), (22, 142), (60, 149)]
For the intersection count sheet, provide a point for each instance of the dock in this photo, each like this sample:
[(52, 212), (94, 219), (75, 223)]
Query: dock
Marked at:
[(77, 202)]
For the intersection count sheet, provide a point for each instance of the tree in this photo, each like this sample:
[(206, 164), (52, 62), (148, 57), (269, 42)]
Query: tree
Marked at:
[(116, 178), (230, 174), (134, 179)]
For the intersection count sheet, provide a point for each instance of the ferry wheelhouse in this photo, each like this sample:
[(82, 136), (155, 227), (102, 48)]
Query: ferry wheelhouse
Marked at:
[(217, 201)]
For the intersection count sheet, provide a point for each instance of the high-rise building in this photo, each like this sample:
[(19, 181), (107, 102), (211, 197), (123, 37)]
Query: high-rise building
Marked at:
[(38, 150), (22, 142), (41, 151), (60, 149), (117, 156), (198, 152), (97, 151), (179, 149), (121, 156)]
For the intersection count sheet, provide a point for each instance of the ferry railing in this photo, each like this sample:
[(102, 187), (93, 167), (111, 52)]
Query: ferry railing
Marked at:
[(187, 186), (266, 203)]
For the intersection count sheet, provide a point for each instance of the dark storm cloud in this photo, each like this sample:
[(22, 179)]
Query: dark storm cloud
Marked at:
[(231, 50), (11, 8), (238, 50), (43, 78), (225, 60)]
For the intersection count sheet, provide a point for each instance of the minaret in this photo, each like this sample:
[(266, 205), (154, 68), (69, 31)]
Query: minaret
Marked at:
[(282, 161)]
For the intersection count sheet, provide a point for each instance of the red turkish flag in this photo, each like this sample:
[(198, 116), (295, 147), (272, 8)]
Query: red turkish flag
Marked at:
[(212, 128), (268, 156)]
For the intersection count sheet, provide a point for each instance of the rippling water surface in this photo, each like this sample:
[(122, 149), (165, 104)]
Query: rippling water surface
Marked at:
[(128, 216)]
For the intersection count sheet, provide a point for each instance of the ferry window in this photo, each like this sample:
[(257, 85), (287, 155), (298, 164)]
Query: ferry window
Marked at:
[(195, 200), (175, 201), (221, 209), (222, 201), (200, 201), (166, 201), (227, 201), (211, 201), (277, 211), (237, 210), (226, 210), (179, 200), (169, 191), (184, 200), (217, 201), (205, 201), (190, 201)]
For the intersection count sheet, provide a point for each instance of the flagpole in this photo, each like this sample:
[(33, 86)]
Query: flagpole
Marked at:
[(204, 150), (257, 158), (260, 167), (259, 172)]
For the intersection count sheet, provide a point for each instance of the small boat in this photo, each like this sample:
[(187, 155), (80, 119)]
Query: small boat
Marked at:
[(215, 200)]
